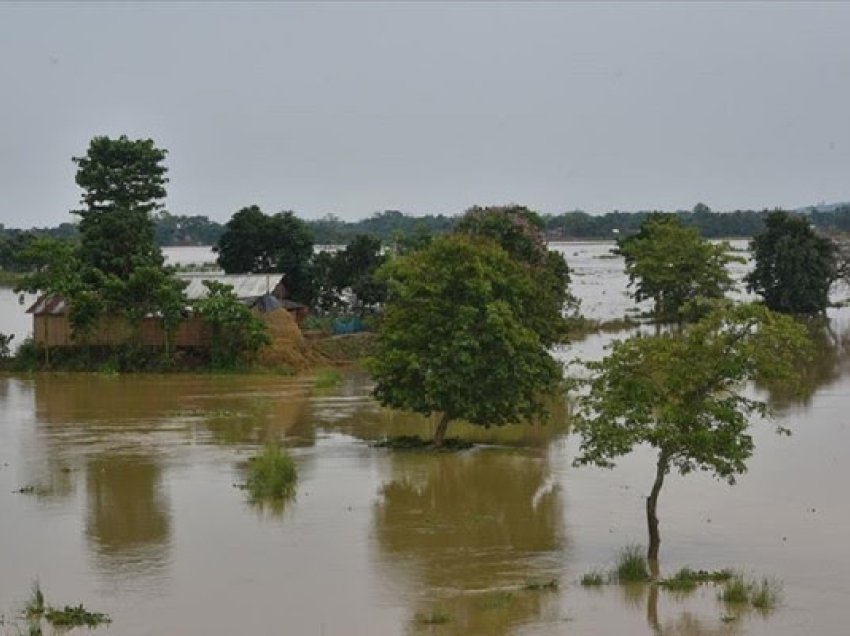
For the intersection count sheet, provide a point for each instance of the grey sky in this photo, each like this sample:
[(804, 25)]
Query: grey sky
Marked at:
[(354, 108)]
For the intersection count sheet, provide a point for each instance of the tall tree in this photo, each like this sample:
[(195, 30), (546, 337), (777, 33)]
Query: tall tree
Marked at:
[(672, 265), (794, 266), (123, 181), (254, 242), (456, 336), (682, 394)]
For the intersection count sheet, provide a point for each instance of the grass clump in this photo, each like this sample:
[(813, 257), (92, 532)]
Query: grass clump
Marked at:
[(631, 565), (593, 578), (35, 608), (434, 618), (328, 379), (687, 579), (415, 443), (735, 591), (539, 586), (75, 616), (765, 594), (271, 475)]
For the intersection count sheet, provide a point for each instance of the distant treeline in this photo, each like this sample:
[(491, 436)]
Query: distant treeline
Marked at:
[(390, 225)]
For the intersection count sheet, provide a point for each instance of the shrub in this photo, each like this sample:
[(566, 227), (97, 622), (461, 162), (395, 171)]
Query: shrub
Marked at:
[(271, 475)]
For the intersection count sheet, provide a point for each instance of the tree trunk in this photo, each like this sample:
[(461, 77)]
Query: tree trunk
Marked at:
[(652, 516), (440, 433)]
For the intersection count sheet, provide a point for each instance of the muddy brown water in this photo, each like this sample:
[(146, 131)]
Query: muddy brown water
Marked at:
[(136, 514)]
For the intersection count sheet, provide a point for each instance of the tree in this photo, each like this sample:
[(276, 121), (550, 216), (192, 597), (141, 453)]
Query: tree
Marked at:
[(681, 393), (519, 231), (456, 340), (672, 265), (237, 334), (123, 181), (794, 266), (352, 269), (254, 242)]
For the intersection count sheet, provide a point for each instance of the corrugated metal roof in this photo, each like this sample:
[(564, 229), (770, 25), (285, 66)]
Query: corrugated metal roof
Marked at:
[(245, 286)]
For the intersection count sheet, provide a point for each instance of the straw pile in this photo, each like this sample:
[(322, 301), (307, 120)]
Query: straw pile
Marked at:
[(287, 347)]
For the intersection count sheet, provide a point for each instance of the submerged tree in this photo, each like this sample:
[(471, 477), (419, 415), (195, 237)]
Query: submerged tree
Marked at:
[(794, 266), (671, 264), (456, 336), (682, 394)]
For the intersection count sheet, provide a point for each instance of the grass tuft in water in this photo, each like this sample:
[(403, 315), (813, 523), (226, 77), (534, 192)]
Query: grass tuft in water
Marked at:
[(328, 378), (539, 586), (765, 594), (593, 578), (75, 616), (434, 618), (271, 475), (631, 565), (735, 591), (687, 579), (35, 608)]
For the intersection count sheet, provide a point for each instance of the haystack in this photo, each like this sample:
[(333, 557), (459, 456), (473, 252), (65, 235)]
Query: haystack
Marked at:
[(287, 346)]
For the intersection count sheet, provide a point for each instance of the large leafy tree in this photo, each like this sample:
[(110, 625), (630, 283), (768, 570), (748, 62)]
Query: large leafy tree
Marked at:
[(682, 394), (519, 231), (457, 336), (123, 182), (352, 269), (672, 265), (254, 242), (794, 266)]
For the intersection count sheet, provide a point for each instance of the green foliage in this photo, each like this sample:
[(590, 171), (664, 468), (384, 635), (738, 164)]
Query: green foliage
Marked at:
[(519, 231), (458, 335), (415, 443), (680, 393), (5, 348), (328, 378), (794, 266), (672, 265), (765, 594), (631, 565), (271, 475), (687, 579), (237, 334), (254, 242), (350, 270), (593, 578)]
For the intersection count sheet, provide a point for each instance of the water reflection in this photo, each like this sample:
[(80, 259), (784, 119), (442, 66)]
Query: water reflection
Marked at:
[(128, 516), (466, 532), (831, 339)]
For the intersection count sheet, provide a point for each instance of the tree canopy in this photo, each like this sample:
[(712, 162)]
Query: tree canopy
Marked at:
[(254, 242), (682, 394), (519, 231), (672, 265), (457, 336), (794, 266)]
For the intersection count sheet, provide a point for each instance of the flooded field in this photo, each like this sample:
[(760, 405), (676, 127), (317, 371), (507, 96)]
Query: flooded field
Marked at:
[(133, 509)]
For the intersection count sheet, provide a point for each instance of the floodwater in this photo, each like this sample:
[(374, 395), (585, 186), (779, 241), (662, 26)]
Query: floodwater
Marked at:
[(135, 512)]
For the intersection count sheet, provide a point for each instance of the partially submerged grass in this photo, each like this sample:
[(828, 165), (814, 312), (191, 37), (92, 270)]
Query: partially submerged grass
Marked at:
[(33, 489), (631, 565), (415, 443), (687, 579), (328, 378), (271, 475), (434, 618), (538, 586), (34, 609), (593, 578), (763, 594), (75, 616)]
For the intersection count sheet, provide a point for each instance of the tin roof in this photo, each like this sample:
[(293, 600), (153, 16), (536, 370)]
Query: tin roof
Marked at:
[(245, 286)]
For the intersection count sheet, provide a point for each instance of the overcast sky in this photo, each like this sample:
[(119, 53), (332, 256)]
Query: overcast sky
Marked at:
[(353, 108)]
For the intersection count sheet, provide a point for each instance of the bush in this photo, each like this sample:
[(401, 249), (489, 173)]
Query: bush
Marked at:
[(271, 475)]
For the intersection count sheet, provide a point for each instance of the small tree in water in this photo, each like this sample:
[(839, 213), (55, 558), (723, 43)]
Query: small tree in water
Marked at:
[(681, 393)]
